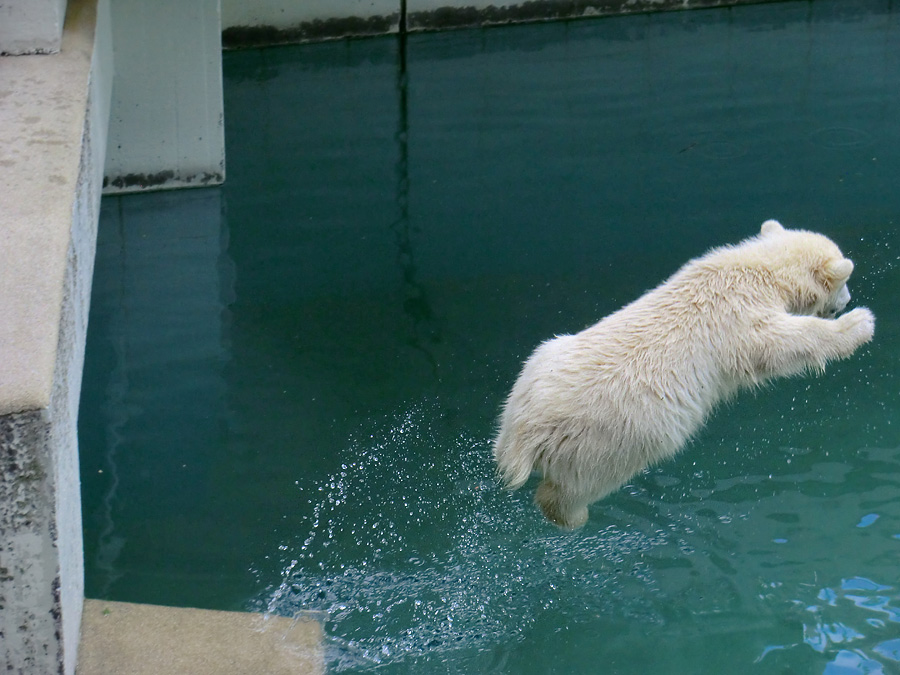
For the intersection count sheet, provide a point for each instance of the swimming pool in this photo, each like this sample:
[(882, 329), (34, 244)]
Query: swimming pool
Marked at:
[(292, 381)]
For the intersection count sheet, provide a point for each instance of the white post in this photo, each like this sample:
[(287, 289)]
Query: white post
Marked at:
[(166, 126), (31, 26)]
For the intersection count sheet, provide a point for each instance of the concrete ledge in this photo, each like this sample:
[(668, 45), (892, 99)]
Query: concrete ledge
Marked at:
[(43, 109), (53, 118), (129, 639)]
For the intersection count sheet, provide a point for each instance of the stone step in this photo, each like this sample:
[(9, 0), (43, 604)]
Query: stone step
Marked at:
[(120, 638)]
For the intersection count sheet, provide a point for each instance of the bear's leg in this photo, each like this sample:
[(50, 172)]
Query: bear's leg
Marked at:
[(790, 344), (560, 508)]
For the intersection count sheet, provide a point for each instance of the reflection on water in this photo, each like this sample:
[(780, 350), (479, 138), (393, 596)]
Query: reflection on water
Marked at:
[(292, 381)]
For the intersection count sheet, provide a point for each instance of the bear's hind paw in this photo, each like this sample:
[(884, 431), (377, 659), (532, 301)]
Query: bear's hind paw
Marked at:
[(557, 509)]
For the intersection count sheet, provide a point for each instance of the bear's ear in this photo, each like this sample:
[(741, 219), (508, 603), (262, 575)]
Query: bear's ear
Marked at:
[(835, 272), (771, 227), (839, 270)]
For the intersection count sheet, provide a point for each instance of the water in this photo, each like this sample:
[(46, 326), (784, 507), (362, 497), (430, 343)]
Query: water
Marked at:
[(292, 380)]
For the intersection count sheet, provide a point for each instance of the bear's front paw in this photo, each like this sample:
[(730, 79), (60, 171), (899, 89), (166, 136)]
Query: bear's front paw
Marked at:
[(859, 323)]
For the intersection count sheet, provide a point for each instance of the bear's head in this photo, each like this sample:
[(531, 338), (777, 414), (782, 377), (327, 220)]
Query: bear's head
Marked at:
[(810, 269)]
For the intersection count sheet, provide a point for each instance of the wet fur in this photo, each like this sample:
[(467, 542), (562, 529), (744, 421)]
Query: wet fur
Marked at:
[(591, 410)]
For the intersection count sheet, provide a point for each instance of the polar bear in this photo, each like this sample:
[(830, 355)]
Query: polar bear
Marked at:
[(591, 410)]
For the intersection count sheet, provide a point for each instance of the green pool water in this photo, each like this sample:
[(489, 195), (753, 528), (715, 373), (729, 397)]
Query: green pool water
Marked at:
[(292, 381)]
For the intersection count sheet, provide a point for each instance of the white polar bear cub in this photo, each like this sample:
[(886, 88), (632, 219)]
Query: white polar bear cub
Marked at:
[(591, 410)]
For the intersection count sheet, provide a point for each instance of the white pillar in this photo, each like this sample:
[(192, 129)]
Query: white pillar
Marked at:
[(166, 125), (31, 26)]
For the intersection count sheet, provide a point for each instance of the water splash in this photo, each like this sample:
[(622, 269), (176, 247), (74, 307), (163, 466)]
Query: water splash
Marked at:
[(413, 550)]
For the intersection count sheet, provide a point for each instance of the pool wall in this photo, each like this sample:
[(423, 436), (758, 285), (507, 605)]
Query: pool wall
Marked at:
[(166, 127), (268, 22)]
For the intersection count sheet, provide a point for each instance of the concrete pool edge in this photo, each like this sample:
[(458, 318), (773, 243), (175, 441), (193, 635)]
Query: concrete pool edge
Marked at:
[(119, 637), (53, 117)]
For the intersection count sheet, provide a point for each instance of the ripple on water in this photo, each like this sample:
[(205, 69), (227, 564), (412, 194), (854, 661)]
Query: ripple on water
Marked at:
[(854, 623), (840, 137)]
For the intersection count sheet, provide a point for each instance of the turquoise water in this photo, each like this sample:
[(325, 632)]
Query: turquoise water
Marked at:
[(292, 380)]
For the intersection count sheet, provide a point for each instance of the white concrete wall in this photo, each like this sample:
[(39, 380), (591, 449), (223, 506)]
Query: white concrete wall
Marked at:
[(31, 26), (285, 13), (438, 14), (262, 22), (285, 21), (50, 175), (167, 122)]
